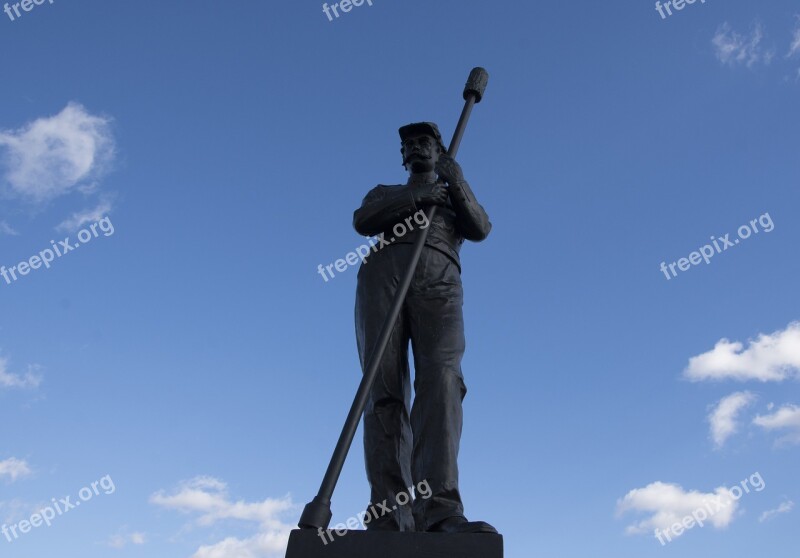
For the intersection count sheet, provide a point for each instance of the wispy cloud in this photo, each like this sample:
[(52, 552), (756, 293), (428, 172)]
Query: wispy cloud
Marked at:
[(785, 418), (53, 155), (124, 539), (6, 229), (734, 49), (668, 504), (14, 469), (77, 220), (12, 511), (785, 507), (794, 48), (208, 498), (28, 380), (723, 418), (770, 358)]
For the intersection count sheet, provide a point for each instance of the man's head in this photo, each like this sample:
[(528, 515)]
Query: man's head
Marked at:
[(421, 146)]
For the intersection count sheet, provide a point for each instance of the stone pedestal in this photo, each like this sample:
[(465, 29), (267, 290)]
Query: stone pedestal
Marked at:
[(307, 543)]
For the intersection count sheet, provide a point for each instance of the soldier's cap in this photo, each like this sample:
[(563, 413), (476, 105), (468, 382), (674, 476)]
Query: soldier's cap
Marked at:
[(418, 128)]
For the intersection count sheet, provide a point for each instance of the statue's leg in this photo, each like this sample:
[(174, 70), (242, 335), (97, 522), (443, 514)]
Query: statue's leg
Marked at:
[(387, 428), (436, 324)]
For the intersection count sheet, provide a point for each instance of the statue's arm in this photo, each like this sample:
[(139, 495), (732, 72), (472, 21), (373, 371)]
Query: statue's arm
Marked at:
[(382, 208), (471, 218)]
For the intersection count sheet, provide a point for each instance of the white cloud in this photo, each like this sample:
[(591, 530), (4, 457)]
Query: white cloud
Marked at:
[(28, 380), (77, 220), (770, 358), (261, 545), (14, 468), (732, 48), (785, 418), (122, 540), (53, 155), (668, 504), (794, 48), (137, 538), (6, 229), (723, 417), (208, 498), (785, 507), (15, 510)]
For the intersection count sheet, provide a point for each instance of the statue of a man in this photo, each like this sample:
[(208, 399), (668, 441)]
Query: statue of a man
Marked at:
[(420, 446)]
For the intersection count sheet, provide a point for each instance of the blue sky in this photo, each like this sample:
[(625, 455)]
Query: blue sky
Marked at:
[(196, 361)]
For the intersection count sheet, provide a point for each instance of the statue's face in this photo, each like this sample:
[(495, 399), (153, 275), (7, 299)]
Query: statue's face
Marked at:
[(420, 153)]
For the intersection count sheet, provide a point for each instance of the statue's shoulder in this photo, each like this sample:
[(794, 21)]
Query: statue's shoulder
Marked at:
[(384, 189), (379, 192)]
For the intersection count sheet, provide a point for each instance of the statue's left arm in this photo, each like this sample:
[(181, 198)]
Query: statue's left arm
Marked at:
[(471, 218)]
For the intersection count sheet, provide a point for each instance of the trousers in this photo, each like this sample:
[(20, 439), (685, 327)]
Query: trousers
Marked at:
[(405, 444)]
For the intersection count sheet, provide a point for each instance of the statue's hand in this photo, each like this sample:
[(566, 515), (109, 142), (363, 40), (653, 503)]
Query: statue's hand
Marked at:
[(430, 194), (448, 169)]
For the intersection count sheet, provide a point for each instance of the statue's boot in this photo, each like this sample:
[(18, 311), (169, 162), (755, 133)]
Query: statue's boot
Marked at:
[(459, 524)]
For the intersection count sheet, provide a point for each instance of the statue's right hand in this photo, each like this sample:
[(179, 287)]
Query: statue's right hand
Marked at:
[(430, 194)]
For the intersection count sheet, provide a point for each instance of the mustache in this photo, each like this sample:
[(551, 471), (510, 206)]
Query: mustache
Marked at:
[(407, 158)]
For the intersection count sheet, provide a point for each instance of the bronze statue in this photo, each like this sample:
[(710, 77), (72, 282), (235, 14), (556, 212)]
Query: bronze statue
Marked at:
[(421, 446), (409, 290)]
